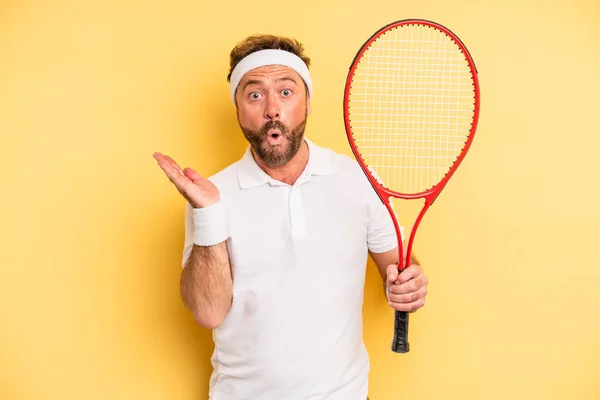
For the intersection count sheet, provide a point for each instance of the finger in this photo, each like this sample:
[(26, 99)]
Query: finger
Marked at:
[(169, 167), (408, 307), (406, 298), (391, 272), (412, 285), (163, 159), (171, 163), (178, 179), (193, 175), (409, 273)]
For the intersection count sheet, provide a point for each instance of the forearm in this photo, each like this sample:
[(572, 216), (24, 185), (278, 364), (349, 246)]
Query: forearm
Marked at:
[(413, 259), (206, 284)]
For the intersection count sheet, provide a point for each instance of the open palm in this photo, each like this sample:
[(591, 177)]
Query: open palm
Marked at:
[(198, 191)]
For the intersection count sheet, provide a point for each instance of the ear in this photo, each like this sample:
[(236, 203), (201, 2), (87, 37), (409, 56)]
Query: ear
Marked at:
[(307, 104)]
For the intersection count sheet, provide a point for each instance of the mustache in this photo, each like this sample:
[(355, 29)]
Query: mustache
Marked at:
[(273, 125)]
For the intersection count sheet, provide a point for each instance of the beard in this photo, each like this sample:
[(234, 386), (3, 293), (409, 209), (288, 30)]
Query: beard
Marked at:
[(276, 155)]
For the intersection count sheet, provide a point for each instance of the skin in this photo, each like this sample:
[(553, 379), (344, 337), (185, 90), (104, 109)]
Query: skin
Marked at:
[(272, 108), (206, 283), (275, 95)]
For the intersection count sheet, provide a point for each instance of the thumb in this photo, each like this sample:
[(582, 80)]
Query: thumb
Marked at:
[(193, 175), (391, 272)]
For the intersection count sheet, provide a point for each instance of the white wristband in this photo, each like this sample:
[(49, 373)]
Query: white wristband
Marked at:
[(210, 225)]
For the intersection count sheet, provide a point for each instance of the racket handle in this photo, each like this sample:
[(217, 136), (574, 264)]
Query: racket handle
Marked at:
[(400, 342)]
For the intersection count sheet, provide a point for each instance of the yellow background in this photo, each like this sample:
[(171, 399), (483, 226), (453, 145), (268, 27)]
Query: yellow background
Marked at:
[(91, 230)]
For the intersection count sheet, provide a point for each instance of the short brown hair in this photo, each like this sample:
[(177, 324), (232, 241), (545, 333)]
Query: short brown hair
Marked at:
[(265, 42)]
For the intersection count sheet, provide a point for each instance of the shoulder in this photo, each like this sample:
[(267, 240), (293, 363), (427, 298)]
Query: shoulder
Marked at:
[(347, 168), (348, 165), (342, 163), (345, 177)]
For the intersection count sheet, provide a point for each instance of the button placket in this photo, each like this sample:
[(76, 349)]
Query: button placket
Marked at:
[(297, 219)]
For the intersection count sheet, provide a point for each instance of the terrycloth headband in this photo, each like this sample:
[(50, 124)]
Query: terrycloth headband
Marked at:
[(268, 57)]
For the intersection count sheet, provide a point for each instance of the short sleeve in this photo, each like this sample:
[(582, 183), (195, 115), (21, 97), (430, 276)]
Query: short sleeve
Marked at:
[(381, 234)]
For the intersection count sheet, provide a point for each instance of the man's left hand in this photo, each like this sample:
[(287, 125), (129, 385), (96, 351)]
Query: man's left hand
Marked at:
[(406, 291)]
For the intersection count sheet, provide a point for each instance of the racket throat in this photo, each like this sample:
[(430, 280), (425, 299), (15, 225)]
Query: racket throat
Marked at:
[(407, 255)]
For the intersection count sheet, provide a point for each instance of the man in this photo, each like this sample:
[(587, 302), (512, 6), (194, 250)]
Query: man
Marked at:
[(276, 244)]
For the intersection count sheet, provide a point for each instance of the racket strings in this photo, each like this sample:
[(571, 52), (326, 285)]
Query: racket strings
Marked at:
[(411, 107)]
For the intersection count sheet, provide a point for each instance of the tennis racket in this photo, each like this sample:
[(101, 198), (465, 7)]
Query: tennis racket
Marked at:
[(411, 106)]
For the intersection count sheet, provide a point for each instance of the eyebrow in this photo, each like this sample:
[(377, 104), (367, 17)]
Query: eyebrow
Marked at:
[(257, 82), (287, 78)]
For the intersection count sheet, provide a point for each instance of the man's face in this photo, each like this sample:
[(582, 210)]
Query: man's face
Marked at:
[(272, 107)]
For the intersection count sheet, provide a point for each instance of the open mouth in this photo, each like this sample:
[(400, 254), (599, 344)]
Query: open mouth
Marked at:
[(274, 137)]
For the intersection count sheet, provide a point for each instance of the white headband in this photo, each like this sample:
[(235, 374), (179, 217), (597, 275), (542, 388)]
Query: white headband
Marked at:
[(269, 57)]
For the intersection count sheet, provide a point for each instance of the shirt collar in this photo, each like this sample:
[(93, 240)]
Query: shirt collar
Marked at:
[(320, 162)]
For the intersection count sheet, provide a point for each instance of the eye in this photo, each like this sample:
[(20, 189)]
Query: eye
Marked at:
[(255, 95), (286, 92)]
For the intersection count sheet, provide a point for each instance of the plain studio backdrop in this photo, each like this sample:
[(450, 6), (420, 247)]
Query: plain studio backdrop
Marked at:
[(91, 230)]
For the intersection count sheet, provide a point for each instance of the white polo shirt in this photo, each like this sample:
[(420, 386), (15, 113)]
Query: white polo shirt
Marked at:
[(298, 256)]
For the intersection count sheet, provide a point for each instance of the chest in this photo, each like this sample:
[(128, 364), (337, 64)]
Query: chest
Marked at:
[(316, 229)]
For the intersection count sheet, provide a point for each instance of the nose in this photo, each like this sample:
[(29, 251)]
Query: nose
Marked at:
[(272, 107)]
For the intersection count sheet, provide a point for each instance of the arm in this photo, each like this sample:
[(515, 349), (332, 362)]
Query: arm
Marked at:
[(405, 291), (206, 284)]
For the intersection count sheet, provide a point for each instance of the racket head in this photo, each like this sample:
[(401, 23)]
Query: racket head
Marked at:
[(411, 108)]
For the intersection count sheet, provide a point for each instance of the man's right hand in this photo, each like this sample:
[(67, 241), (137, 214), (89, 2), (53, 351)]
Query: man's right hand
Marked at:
[(198, 191)]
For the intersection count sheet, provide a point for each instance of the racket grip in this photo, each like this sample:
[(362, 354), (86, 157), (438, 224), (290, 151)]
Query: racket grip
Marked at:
[(400, 342)]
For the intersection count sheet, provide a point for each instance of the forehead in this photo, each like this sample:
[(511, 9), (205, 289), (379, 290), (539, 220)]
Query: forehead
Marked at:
[(271, 73)]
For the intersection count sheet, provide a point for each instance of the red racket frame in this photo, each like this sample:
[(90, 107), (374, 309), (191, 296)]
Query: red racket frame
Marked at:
[(431, 194)]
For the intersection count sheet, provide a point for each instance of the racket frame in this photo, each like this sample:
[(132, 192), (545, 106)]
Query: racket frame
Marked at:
[(400, 341)]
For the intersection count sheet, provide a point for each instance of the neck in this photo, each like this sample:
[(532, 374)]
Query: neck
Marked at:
[(289, 172)]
